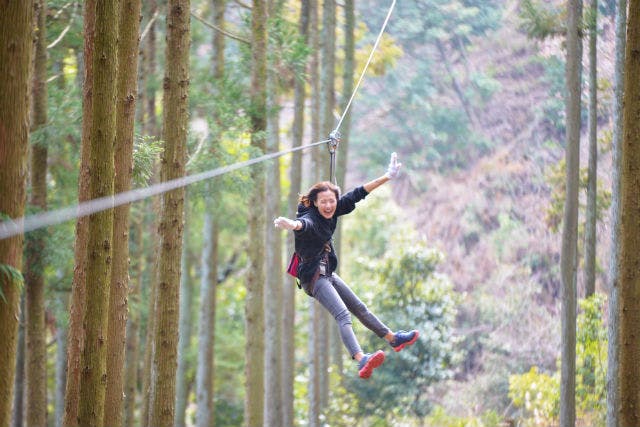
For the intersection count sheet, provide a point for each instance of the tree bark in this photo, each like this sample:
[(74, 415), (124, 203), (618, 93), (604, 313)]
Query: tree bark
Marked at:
[(613, 349), (103, 136), (175, 123), (184, 340), (254, 302), (592, 177), (317, 156), (133, 327), (16, 21), (128, 28), (568, 262), (295, 178), (35, 336), (75, 337), (629, 259), (205, 415)]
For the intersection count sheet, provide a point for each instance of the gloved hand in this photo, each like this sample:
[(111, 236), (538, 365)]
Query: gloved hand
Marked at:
[(285, 223), (394, 166)]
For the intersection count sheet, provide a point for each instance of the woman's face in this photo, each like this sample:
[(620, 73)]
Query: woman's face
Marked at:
[(326, 203)]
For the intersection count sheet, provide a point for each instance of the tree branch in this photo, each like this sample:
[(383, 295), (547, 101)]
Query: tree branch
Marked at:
[(220, 30)]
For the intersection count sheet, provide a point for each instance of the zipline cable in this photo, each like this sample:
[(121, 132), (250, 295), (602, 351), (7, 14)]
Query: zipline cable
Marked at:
[(334, 136), (364, 70), (17, 226), (13, 227)]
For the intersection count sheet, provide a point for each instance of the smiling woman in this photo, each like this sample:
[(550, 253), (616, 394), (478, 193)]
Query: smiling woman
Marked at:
[(314, 226)]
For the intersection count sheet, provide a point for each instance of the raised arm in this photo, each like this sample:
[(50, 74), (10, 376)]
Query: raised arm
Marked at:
[(392, 172)]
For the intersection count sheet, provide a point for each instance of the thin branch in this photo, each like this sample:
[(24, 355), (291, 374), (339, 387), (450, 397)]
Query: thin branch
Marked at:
[(220, 30), (66, 30), (242, 4), (149, 24)]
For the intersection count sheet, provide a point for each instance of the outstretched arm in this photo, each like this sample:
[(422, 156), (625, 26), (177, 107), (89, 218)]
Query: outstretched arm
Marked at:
[(287, 224), (392, 172)]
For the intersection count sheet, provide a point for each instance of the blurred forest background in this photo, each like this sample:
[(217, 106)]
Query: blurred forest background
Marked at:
[(464, 245)]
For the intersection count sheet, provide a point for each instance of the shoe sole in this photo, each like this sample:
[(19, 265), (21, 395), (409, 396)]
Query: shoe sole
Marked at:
[(414, 339), (374, 361)]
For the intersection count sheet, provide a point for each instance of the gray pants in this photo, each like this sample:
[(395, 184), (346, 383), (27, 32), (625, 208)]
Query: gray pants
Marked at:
[(339, 300)]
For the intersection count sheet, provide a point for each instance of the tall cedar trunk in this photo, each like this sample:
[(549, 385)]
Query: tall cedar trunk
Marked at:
[(103, 136), (568, 263), (206, 334), (16, 28), (151, 123), (18, 397), (151, 128), (128, 28), (613, 349), (61, 367), (295, 178), (254, 303), (314, 176), (629, 259), (274, 275), (341, 172), (317, 156), (592, 183), (327, 101), (184, 327), (205, 376), (75, 337), (35, 333), (133, 327), (175, 122)]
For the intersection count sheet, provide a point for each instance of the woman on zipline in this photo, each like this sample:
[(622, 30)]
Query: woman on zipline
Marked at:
[(313, 227)]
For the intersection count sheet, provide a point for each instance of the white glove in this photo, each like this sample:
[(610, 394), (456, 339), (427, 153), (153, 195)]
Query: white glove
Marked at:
[(394, 167), (285, 223)]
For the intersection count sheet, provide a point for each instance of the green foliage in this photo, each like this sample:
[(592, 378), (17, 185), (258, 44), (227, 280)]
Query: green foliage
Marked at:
[(146, 151), (537, 394), (541, 20), (591, 359), (439, 418), (10, 276), (414, 295)]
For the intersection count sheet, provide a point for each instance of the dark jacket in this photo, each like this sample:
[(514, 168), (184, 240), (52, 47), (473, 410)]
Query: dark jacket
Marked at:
[(317, 230)]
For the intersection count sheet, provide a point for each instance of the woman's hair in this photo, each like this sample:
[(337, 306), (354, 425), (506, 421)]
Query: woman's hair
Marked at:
[(312, 194)]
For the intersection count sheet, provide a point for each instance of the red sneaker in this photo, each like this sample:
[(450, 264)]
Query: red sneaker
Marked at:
[(370, 362), (404, 338)]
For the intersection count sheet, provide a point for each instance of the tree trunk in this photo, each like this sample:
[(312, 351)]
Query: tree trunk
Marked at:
[(327, 104), (341, 172), (129, 27), (18, 398), (254, 302), (16, 20), (205, 415), (317, 156), (613, 349), (629, 259), (103, 136), (273, 258), (295, 178), (35, 336), (133, 328), (568, 262), (151, 122), (184, 340), (175, 123), (61, 368), (75, 337), (592, 183)]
